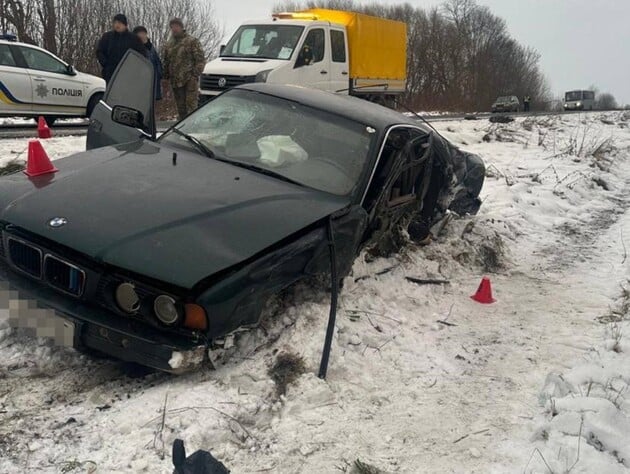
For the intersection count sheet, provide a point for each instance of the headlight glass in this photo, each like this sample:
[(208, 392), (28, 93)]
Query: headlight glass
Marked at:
[(165, 309), (127, 298)]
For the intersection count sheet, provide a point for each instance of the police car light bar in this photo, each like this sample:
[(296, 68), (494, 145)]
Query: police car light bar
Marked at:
[(8, 37)]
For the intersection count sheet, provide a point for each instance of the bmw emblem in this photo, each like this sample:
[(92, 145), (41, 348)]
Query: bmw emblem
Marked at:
[(57, 222), (222, 82)]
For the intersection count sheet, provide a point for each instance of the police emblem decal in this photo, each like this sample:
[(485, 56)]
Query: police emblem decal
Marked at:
[(42, 91)]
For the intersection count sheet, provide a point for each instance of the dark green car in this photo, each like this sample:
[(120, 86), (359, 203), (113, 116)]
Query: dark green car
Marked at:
[(150, 250)]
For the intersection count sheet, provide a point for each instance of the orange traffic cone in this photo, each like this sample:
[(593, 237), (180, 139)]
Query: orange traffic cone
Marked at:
[(38, 162), (484, 292), (43, 130)]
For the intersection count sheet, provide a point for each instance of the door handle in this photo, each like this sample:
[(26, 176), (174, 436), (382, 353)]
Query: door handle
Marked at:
[(38, 79), (323, 72)]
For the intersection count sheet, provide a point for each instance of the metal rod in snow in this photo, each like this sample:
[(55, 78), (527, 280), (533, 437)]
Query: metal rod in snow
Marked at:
[(334, 290)]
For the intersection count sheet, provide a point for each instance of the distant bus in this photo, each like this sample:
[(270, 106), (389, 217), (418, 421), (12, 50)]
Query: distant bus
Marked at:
[(579, 100)]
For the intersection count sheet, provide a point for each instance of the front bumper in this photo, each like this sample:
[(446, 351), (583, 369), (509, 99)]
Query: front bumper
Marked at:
[(96, 329)]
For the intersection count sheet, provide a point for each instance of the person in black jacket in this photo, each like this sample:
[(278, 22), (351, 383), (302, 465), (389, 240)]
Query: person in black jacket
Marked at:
[(114, 44), (153, 56)]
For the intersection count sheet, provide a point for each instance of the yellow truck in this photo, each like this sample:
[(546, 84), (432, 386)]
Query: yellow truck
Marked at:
[(338, 51)]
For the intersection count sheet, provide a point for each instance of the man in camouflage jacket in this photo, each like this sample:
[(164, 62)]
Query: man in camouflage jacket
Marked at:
[(183, 61)]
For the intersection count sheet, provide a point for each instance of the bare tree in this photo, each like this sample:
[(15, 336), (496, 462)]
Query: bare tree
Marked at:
[(20, 15), (606, 101), (71, 28)]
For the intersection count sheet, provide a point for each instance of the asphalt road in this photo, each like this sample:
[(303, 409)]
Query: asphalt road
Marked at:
[(62, 129)]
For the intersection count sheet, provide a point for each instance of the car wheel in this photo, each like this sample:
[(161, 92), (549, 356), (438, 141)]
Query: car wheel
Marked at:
[(94, 100)]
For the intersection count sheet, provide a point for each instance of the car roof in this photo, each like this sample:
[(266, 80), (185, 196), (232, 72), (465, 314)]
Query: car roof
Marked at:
[(353, 108), (32, 46)]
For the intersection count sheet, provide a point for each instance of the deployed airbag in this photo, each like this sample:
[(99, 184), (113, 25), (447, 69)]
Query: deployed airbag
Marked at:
[(279, 150)]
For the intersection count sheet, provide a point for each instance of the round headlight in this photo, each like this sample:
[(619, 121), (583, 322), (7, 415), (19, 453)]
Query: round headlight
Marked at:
[(126, 298), (166, 309)]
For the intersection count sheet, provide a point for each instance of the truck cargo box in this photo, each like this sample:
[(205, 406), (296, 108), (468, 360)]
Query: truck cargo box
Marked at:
[(377, 47)]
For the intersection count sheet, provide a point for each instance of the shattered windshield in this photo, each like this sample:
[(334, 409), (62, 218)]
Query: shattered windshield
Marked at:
[(263, 42), (276, 136)]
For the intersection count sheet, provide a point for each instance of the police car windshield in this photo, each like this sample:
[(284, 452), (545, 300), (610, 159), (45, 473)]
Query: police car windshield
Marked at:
[(263, 42), (276, 136)]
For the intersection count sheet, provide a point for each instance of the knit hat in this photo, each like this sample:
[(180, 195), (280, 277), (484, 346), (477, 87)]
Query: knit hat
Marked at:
[(121, 18)]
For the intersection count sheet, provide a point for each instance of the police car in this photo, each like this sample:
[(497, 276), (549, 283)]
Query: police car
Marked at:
[(35, 82)]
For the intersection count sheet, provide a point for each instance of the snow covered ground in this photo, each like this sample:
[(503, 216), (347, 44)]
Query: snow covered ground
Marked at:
[(422, 379)]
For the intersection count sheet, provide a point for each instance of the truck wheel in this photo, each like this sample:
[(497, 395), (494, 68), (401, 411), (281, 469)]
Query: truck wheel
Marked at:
[(94, 100)]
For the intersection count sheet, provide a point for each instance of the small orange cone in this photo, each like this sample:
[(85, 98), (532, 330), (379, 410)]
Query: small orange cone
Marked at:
[(38, 162), (484, 292), (43, 130)]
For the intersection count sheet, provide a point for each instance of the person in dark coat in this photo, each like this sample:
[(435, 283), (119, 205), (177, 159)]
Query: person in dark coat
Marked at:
[(114, 44), (153, 56)]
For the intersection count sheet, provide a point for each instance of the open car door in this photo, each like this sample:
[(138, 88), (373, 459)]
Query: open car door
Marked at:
[(126, 111)]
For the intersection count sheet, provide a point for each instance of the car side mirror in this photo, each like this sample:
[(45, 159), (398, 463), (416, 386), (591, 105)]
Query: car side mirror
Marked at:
[(222, 49), (128, 117), (71, 71), (301, 62)]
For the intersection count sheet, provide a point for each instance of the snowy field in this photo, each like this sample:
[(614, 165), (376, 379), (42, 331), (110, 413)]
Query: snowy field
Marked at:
[(422, 379)]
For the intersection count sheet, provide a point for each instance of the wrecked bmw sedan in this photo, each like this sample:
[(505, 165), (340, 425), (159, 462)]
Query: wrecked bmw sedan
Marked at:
[(150, 250)]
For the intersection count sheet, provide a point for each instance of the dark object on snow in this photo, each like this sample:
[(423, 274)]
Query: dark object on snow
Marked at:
[(471, 117), (420, 281), (200, 462), (501, 119), (155, 264)]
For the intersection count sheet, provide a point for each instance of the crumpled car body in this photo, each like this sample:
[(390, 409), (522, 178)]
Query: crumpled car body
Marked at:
[(153, 249)]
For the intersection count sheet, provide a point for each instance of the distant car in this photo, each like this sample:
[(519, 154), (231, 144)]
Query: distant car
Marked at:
[(35, 82), (508, 103), (152, 250)]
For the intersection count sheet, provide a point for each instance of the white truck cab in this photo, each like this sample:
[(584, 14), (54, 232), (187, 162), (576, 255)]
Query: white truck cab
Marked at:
[(330, 50), (35, 82)]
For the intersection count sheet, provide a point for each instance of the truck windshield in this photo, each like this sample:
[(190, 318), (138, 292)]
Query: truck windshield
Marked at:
[(276, 136), (264, 42), (572, 96)]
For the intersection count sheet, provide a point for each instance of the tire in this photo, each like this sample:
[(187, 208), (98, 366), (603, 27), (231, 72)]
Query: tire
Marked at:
[(50, 120), (94, 100)]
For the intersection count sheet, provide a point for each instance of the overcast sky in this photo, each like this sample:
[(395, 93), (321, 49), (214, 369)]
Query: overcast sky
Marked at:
[(582, 42)]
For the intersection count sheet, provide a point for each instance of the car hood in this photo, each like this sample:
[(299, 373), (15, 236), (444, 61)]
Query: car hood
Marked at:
[(176, 221), (241, 66)]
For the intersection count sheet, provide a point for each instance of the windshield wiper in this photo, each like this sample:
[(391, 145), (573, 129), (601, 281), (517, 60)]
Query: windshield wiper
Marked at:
[(195, 141), (261, 170)]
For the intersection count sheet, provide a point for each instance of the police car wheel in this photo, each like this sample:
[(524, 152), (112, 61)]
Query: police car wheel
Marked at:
[(50, 120)]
